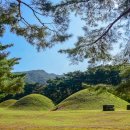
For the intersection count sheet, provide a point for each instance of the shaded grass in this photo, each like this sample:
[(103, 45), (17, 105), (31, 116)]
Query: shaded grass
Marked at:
[(33, 102), (66, 120), (90, 99)]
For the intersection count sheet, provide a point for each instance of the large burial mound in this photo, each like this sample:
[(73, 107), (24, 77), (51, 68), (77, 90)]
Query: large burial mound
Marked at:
[(91, 99), (8, 103), (33, 102)]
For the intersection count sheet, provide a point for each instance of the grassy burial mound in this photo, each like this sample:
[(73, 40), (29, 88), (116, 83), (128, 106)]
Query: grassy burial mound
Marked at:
[(91, 99), (8, 103), (33, 102)]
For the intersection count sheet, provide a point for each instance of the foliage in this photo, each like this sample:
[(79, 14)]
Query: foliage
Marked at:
[(100, 87), (106, 29), (103, 75), (10, 83), (102, 27), (33, 102), (125, 73), (60, 88), (123, 89), (91, 99), (28, 89), (49, 26)]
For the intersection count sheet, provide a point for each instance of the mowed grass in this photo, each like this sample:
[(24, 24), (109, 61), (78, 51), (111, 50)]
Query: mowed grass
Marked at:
[(91, 99), (64, 120), (8, 103), (33, 102)]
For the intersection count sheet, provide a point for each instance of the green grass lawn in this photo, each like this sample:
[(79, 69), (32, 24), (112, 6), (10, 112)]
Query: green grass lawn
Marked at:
[(64, 120)]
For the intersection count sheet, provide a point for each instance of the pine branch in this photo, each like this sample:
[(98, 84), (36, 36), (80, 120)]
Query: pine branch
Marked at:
[(110, 26), (35, 14), (70, 3)]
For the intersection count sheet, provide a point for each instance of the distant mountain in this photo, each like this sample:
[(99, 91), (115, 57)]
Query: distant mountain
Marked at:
[(38, 76)]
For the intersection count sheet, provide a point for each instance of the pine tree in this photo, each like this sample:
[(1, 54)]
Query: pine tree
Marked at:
[(106, 24), (106, 35), (50, 27), (10, 83)]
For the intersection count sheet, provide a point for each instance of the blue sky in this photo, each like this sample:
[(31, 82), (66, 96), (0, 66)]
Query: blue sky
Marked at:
[(50, 60)]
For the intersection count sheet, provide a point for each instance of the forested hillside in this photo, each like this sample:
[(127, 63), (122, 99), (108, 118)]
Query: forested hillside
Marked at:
[(38, 76)]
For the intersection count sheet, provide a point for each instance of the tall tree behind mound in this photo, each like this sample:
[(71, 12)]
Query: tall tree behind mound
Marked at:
[(123, 89)]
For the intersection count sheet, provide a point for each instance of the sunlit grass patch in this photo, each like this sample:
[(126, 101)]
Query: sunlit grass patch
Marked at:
[(64, 120), (33, 102)]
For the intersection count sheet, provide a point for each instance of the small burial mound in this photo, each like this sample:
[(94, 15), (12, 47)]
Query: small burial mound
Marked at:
[(91, 99), (8, 103), (33, 102)]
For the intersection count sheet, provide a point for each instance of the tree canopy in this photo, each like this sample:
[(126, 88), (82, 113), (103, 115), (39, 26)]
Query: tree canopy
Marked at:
[(124, 88), (49, 28), (106, 30), (60, 88), (10, 83), (106, 26), (114, 79)]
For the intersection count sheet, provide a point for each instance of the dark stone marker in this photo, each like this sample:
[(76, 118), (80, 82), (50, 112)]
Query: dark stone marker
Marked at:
[(108, 108), (128, 107)]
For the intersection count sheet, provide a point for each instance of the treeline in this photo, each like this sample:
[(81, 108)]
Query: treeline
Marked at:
[(61, 87)]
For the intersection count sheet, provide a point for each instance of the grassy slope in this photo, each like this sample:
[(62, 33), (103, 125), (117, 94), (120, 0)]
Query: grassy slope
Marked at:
[(64, 120), (33, 102), (8, 103), (90, 99)]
